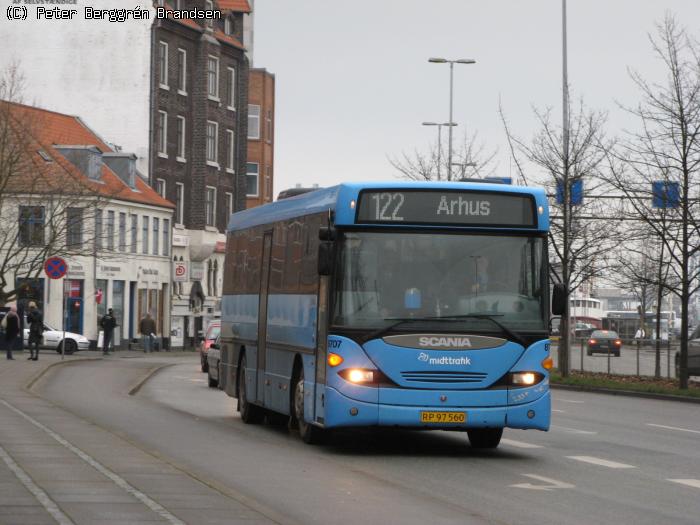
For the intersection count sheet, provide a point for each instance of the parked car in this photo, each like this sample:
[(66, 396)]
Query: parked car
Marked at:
[(693, 354), (213, 364), (604, 341), (212, 333), (53, 338)]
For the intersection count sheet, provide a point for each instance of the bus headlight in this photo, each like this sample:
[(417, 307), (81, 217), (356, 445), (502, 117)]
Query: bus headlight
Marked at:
[(524, 378), (358, 375)]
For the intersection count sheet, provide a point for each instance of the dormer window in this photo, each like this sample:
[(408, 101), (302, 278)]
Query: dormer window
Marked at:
[(228, 26)]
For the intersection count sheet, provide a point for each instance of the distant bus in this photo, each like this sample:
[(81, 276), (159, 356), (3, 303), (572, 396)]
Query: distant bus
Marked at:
[(626, 323), (397, 304)]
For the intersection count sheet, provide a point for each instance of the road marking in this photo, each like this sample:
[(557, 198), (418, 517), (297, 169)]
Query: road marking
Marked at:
[(519, 444), (571, 401), (573, 430), (550, 484), (601, 462), (38, 493), (118, 480), (674, 428), (555, 410), (695, 483)]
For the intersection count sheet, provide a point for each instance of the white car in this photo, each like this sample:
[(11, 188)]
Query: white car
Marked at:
[(54, 339)]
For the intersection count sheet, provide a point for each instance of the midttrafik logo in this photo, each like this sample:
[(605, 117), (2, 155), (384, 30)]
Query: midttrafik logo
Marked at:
[(444, 360)]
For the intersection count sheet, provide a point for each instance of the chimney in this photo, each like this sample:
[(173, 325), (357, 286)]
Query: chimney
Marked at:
[(124, 165), (88, 159)]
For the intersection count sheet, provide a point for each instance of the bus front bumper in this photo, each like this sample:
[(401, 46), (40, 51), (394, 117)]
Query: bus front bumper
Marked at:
[(342, 411)]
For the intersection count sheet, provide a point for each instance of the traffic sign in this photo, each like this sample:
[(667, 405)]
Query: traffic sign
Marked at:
[(55, 267)]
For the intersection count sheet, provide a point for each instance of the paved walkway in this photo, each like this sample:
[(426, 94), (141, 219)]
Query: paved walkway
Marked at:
[(58, 468)]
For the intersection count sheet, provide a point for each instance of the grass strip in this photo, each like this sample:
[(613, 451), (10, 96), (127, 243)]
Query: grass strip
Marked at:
[(630, 383)]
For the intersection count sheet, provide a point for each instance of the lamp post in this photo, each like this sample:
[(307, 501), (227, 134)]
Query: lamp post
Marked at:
[(451, 63), (439, 127)]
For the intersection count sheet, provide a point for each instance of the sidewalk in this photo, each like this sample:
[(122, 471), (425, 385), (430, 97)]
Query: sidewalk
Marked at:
[(57, 468)]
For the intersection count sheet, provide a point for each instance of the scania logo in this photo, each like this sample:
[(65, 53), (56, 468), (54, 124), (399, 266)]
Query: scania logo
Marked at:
[(445, 342), (423, 356)]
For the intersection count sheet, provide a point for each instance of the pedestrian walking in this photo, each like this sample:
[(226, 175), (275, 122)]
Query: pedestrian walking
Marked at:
[(36, 330), (147, 329), (108, 323), (10, 324)]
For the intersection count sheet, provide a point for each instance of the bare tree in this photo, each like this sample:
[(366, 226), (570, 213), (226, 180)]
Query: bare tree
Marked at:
[(564, 162), (47, 207), (658, 167), (471, 159)]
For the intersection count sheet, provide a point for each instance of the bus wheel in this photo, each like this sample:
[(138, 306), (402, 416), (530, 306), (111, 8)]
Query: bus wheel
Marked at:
[(485, 437), (249, 413), (308, 432)]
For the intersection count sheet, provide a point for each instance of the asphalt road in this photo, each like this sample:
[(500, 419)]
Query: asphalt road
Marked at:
[(606, 459)]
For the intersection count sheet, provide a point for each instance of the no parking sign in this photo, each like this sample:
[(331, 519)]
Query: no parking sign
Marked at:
[(55, 267)]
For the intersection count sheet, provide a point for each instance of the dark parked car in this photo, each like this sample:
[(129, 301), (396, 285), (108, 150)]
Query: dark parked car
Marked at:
[(214, 364), (693, 355), (604, 342), (212, 333)]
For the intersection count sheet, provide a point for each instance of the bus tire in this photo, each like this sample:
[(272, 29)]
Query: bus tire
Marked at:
[(485, 437), (250, 413), (309, 433)]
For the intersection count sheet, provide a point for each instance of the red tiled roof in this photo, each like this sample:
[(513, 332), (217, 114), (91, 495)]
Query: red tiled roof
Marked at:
[(188, 22), (48, 129), (223, 37), (239, 6)]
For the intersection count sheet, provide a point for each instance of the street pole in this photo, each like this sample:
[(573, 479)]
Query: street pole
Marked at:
[(65, 313), (440, 147), (449, 147)]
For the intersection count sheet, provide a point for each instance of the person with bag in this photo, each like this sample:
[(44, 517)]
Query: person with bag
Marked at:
[(108, 323), (36, 330), (147, 329), (10, 324)]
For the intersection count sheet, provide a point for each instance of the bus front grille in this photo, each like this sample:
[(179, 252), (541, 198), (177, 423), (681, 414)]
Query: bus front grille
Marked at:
[(443, 377)]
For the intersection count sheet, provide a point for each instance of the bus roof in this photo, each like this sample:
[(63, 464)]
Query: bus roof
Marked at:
[(338, 199)]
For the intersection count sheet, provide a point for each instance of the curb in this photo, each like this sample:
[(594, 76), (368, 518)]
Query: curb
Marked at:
[(626, 393), (148, 375), (43, 372)]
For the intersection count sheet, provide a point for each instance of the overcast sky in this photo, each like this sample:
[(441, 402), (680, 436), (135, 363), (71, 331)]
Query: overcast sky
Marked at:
[(354, 83)]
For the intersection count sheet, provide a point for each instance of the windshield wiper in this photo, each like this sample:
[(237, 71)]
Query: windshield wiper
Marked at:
[(449, 318)]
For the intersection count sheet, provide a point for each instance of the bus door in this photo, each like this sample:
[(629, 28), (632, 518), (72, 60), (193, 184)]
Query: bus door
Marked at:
[(262, 316), (321, 347)]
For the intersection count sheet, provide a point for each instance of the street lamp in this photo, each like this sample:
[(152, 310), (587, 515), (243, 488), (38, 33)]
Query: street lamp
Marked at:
[(451, 63), (439, 127)]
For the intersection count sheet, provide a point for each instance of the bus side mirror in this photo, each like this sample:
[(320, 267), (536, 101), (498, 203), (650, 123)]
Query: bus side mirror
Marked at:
[(558, 299), (326, 256)]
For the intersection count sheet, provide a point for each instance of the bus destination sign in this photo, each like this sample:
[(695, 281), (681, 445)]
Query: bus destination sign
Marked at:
[(464, 208)]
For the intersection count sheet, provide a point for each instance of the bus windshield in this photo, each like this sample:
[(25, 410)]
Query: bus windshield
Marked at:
[(386, 276)]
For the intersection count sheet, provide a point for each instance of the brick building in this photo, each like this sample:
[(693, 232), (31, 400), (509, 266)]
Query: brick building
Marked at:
[(199, 120), (261, 143)]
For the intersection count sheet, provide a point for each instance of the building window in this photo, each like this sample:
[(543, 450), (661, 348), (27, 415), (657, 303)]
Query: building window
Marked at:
[(212, 142), (179, 202), (163, 65), (74, 228), (31, 225), (230, 151), (122, 232), (210, 206), (253, 121), (209, 5), (182, 71), (144, 235), (160, 187), (229, 206), (181, 138), (213, 77), (228, 25), (162, 134), (252, 179), (134, 232), (231, 88), (156, 234), (110, 230), (166, 236), (98, 230), (268, 183), (268, 125)]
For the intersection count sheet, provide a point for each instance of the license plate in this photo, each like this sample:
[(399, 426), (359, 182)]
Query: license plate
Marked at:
[(443, 417)]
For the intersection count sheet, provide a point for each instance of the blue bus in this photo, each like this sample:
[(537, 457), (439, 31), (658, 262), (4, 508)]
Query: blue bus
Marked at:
[(399, 304)]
